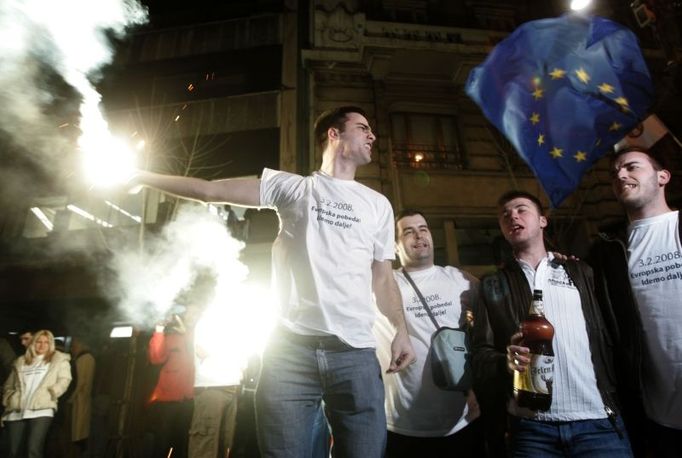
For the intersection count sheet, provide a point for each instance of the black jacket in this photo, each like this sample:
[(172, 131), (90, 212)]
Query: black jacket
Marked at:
[(608, 258), (503, 303)]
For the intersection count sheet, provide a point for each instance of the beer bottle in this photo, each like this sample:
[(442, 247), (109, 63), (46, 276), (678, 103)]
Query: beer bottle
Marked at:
[(533, 387)]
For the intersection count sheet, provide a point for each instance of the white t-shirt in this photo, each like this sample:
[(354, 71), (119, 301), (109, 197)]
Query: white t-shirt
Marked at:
[(414, 405), (655, 265), (331, 230), (575, 395), (32, 375)]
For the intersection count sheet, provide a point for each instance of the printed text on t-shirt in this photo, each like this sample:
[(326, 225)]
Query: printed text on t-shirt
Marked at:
[(437, 309), (656, 271), (335, 218)]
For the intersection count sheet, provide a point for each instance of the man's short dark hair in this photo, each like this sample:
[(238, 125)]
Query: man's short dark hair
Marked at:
[(657, 160), (516, 194), (333, 118), (408, 212)]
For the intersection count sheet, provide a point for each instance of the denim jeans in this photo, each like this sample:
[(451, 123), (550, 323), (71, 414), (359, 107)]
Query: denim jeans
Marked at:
[(297, 373), (583, 438), (33, 430)]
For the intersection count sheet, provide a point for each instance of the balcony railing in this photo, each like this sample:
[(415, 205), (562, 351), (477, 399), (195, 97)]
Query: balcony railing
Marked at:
[(415, 156)]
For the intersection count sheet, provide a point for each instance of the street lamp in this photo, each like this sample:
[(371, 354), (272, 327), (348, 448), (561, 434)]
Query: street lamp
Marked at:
[(577, 5)]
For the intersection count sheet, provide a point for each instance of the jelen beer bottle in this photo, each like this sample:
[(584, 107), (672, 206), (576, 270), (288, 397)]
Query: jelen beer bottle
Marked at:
[(533, 387)]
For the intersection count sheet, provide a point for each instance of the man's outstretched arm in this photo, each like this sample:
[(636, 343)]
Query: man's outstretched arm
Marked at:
[(390, 304), (239, 191)]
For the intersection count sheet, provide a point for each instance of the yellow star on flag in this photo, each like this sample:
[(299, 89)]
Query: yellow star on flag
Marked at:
[(556, 152), (557, 73), (580, 156), (606, 88), (623, 102), (537, 93), (534, 118), (582, 75), (615, 126), (541, 140)]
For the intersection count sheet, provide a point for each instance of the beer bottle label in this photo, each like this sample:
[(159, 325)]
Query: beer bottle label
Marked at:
[(539, 376)]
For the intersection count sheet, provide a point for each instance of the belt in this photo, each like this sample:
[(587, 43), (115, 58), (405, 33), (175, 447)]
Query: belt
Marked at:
[(331, 343), (201, 389)]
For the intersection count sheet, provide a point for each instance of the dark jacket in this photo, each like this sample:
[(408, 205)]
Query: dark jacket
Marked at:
[(505, 298), (608, 258)]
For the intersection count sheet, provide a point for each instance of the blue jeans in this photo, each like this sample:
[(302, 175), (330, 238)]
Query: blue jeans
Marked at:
[(583, 438), (33, 431), (297, 373)]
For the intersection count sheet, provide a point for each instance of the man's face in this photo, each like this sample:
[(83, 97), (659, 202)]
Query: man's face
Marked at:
[(414, 244), (521, 223), (25, 339), (356, 139), (635, 181)]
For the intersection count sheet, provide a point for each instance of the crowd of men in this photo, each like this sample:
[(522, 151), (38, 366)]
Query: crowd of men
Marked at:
[(335, 365), (617, 389)]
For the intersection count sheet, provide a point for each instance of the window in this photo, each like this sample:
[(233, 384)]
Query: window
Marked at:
[(426, 141)]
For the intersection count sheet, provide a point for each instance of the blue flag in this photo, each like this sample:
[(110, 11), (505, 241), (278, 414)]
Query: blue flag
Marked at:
[(563, 91)]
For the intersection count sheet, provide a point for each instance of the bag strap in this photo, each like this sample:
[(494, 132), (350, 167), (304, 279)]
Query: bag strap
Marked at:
[(421, 298)]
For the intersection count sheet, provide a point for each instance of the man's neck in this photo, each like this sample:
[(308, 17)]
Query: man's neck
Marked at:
[(417, 267), (647, 211), (334, 166), (531, 254)]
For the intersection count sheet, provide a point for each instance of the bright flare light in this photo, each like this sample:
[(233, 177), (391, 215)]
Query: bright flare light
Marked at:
[(577, 5), (233, 328), (107, 161)]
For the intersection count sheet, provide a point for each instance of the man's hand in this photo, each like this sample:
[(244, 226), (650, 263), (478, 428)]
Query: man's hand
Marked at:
[(562, 258), (402, 353), (473, 411), (517, 356)]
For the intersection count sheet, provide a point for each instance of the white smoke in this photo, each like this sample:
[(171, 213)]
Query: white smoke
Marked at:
[(41, 41), (151, 279)]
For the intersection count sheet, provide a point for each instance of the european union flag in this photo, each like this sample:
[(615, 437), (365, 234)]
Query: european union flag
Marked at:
[(563, 91)]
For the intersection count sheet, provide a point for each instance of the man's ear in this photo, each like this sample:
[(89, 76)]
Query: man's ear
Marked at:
[(663, 177), (333, 132), (543, 222)]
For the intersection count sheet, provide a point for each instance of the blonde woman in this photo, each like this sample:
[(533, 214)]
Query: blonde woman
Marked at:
[(30, 394)]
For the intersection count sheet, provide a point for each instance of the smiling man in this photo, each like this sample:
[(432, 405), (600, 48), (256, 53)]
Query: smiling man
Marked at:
[(583, 417), (423, 420), (334, 248), (639, 276)]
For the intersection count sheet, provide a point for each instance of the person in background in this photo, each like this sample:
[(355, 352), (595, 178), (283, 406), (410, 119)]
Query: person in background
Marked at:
[(422, 419), (31, 392), (25, 337), (170, 404), (80, 400), (7, 357), (217, 378)]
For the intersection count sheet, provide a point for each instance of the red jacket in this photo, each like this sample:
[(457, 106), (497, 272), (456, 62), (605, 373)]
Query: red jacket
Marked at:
[(176, 379)]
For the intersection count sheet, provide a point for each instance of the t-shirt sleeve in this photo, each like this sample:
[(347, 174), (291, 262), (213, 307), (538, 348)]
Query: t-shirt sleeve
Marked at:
[(384, 240), (277, 188)]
